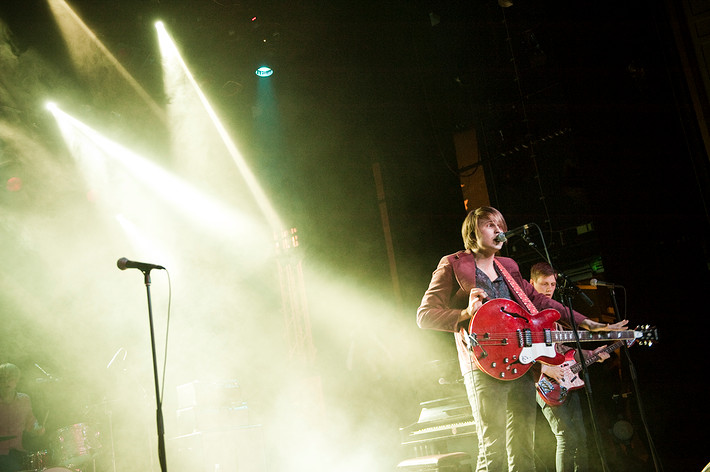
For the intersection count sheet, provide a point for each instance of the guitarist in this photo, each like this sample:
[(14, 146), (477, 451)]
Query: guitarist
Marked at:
[(504, 410), (566, 420)]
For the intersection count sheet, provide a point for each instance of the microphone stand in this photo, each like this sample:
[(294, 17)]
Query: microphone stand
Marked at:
[(159, 409), (567, 290), (634, 381)]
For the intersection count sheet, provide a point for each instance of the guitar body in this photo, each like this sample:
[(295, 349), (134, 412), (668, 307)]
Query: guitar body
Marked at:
[(554, 393), (505, 339)]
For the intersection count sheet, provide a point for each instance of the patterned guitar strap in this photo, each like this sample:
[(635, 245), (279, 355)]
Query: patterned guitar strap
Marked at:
[(526, 301), (516, 288)]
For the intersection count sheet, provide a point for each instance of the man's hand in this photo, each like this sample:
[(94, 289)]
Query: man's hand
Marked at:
[(603, 355), (475, 301), (555, 372), (596, 326)]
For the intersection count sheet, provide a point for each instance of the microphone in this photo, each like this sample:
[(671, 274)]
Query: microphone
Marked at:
[(124, 264), (599, 283), (578, 291), (503, 237)]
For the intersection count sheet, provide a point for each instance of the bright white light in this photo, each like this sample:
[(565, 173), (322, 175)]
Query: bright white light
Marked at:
[(172, 62), (208, 212), (90, 55), (144, 246)]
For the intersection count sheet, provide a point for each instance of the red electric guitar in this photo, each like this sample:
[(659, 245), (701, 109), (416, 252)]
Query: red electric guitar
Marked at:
[(506, 340)]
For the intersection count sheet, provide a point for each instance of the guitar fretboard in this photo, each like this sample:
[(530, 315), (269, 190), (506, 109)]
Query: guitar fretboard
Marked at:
[(568, 336), (593, 358)]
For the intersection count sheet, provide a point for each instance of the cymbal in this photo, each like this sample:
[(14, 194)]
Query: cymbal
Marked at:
[(5, 438)]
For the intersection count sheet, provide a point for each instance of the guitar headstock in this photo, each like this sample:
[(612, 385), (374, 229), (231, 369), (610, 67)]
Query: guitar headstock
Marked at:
[(646, 335)]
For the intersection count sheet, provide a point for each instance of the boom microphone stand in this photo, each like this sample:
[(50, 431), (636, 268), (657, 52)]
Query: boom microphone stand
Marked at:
[(568, 290), (634, 381)]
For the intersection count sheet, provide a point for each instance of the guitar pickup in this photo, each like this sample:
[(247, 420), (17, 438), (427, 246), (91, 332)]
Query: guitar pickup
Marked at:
[(524, 337), (548, 337)]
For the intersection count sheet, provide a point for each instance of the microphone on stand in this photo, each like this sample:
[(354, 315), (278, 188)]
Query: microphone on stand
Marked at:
[(124, 264), (584, 296), (599, 283), (503, 237)]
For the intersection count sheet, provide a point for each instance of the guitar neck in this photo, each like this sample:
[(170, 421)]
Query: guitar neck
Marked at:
[(595, 357), (587, 336)]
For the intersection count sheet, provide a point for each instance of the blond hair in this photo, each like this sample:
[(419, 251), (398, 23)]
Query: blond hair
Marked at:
[(469, 229)]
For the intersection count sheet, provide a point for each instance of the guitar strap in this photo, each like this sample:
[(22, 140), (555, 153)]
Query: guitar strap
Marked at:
[(516, 288)]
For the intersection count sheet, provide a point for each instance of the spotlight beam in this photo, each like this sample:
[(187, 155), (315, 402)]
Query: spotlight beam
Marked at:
[(182, 196), (171, 53), (75, 32)]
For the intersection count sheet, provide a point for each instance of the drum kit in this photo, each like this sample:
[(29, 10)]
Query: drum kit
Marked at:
[(71, 448)]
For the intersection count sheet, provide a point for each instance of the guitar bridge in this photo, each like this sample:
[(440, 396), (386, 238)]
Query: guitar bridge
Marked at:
[(545, 385)]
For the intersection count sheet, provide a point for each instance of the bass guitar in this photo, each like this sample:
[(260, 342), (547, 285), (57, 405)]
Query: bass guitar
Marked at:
[(505, 339), (554, 393)]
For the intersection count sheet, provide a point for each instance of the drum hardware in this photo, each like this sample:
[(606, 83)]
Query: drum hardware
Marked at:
[(74, 445), (38, 460)]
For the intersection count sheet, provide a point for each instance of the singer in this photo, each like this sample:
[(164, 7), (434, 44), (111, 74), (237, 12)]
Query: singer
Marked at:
[(462, 282)]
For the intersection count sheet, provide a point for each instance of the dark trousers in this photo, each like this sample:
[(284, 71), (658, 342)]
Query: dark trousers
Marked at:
[(567, 424), (505, 412)]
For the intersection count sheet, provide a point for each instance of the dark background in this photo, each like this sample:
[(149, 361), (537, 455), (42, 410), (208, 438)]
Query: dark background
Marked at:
[(583, 119)]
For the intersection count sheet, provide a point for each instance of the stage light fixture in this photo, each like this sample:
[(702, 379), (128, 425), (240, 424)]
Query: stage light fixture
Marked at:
[(264, 71)]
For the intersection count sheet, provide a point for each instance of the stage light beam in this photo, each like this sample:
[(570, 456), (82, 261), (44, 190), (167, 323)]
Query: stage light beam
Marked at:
[(90, 57), (174, 64), (183, 197)]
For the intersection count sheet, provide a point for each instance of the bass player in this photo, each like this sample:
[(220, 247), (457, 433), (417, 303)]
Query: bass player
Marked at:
[(566, 418)]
